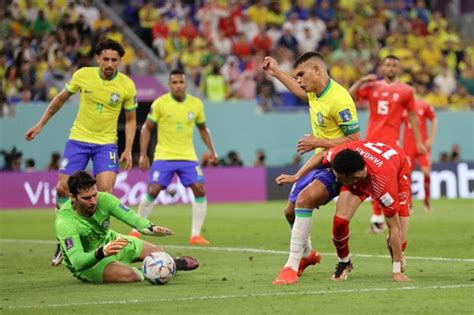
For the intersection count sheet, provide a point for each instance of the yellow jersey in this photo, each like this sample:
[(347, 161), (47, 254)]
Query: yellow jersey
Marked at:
[(100, 104), (333, 114), (175, 126)]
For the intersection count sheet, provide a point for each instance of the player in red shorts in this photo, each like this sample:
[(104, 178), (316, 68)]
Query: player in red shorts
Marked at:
[(424, 112), (388, 99), (365, 169)]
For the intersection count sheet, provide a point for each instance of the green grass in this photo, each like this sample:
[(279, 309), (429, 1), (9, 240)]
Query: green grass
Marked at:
[(231, 282)]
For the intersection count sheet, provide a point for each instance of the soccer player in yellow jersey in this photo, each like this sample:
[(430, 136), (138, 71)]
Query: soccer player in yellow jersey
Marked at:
[(104, 91), (175, 114), (334, 121)]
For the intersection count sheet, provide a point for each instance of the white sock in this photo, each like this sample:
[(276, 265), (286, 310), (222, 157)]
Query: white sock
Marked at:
[(146, 206), (377, 219), (307, 247), (299, 237), (199, 214)]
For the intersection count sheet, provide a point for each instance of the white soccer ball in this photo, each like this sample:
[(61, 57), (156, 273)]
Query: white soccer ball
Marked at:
[(159, 267)]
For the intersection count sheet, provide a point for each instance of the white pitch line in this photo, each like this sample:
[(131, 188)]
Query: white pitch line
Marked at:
[(256, 250), (236, 296)]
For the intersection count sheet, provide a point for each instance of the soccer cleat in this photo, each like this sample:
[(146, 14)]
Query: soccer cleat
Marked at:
[(312, 259), (376, 227), (286, 276), (57, 257), (134, 233), (198, 240), (342, 271), (186, 263)]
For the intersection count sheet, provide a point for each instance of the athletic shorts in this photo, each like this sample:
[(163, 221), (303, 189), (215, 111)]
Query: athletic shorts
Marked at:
[(424, 160), (127, 255), (77, 155), (324, 175), (162, 172)]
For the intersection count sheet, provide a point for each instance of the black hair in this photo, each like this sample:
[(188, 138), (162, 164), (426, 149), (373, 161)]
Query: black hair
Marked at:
[(176, 71), (391, 57), (80, 181), (306, 56), (109, 44), (348, 162)]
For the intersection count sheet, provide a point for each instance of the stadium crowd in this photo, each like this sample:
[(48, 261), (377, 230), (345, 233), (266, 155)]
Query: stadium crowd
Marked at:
[(221, 45)]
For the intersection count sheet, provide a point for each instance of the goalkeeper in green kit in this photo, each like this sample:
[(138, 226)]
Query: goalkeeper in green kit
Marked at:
[(93, 252)]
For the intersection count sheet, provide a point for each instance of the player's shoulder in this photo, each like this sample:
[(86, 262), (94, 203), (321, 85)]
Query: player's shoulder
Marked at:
[(404, 87), (85, 71), (125, 79), (193, 99)]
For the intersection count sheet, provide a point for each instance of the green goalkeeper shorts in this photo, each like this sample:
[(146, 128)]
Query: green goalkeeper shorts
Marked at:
[(127, 255)]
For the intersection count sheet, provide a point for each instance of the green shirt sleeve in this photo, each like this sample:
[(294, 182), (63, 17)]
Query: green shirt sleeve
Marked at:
[(124, 213), (70, 241)]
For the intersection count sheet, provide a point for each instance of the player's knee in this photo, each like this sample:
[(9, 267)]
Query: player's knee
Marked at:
[(305, 201), (62, 189), (199, 191), (154, 190)]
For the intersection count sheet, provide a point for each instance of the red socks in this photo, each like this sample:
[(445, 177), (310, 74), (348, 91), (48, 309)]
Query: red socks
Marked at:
[(340, 236)]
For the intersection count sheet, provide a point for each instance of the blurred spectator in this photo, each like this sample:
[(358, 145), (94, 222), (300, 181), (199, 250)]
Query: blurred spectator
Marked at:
[(53, 164), (445, 81), (287, 40), (5, 108), (296, 161), (455, 155), (245, 88), (259, 158), (460, 100), (215, 88), (12, 160), (232, 159), (30, 165), (444, 157)]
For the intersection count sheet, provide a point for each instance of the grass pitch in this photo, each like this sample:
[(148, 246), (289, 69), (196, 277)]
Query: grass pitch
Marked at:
[(249, 243)]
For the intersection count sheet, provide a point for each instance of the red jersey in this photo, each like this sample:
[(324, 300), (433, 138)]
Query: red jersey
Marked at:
[(387, 102), (424, 112), (387, 180)]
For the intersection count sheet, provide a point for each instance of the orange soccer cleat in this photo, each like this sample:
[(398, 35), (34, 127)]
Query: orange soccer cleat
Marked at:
[(312, 259), (286, 276), (198, 240), (134, 233)]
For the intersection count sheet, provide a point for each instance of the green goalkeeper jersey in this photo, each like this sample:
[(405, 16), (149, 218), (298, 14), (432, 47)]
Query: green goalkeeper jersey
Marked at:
[(80, 236)]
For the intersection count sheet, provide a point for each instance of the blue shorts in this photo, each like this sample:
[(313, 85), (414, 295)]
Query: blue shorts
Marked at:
[(324, 175), (162, 172), (77, 155)]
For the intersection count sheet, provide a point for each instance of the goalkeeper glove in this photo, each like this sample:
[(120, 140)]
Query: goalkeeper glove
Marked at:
[(156, 230)]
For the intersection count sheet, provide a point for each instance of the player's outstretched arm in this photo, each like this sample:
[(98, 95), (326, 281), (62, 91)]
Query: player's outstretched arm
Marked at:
[(358, 84), (130, 130), (270, 66), (313, 163), (55, 105)]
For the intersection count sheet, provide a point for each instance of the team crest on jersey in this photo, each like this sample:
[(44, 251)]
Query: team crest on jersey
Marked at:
[(63, 164), (114, 98), (345, 115), (190, 116), (106, 224), (320, 118)]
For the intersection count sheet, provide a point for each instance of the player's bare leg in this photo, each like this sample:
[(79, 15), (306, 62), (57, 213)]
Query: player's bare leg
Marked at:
[(426, 170), (199, 210), (146, 205), (311, 197), (62, 195), (346, 207), (106, 181), (116, 272), (394, 226)]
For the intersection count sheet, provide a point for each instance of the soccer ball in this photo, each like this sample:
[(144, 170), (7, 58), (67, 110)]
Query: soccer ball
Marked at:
[(159, 267)]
